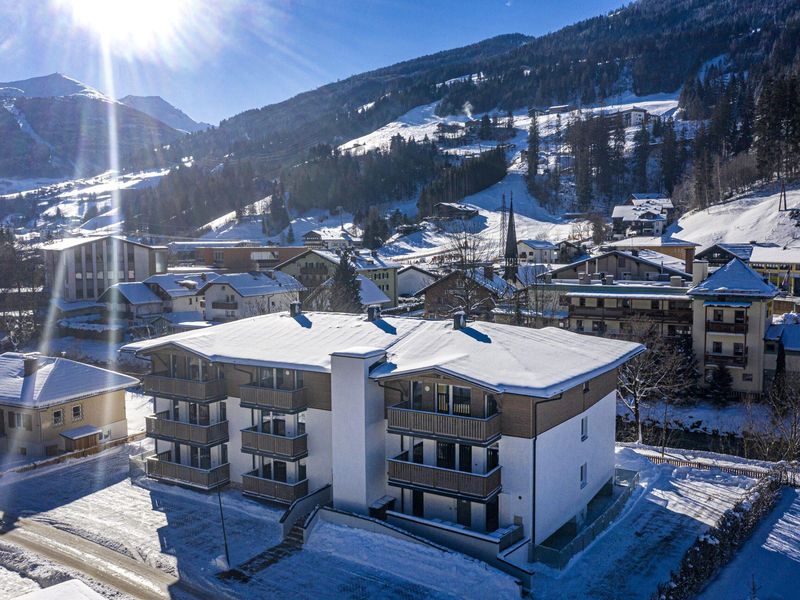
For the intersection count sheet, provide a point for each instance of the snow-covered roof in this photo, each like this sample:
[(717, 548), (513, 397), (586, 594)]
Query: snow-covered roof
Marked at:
[(735, 279), (628, 256), (650, 242), (529, 274), (408, 268), (369, 292), (67, 243), (785, 328), (258, 284), (69, 306), (72, 589), (181, 285), (742, 251), (661, 199), (775, 255), (630, 214), (83, 431), (134, 292), (56, 380), (538, 244), (639, 294), (495, 284), (487, 354)]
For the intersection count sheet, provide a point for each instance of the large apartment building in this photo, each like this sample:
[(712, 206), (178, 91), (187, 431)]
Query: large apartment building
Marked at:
[(83, 268), (439, 422)]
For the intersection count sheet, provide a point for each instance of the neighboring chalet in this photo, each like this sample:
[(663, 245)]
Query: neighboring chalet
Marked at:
[(536, 251), (721, 254), (412, 278), (568, 252), (665, 244), (634, 116), (782, 346), (241, 295), (619, 266), (453, 210), (82, 268), (779, 265), (131, 301), (732, 312), (180, 293), (432, 426), (476, 291), (561, 109), (242, 259), (316, 239), (51, 405), (368, 295), (314, 267), (642, 215)]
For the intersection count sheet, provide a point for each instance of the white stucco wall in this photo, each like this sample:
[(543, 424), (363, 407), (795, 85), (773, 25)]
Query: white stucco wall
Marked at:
[(238, 418), (559, 456), (516, 499), (318, 464)]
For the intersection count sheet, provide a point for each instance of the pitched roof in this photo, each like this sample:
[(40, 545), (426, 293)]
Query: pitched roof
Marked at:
[(258, 284), (742, 251), (181, 285), (541, 244), (775, 255), (67, 243), (627, 256), (735, 279), (56, 380), (134, 292), (650, 242), (487, 354), (363, 261)]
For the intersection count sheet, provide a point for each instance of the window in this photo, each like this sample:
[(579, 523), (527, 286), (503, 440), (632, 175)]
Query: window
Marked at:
[(492, 457), (416, 395), (738, 316), (716, 347), (672, 304), (770, 347), (445, 455), (491, 405), (579, 325), (58, 418), (626, 303), (465, 458), (464, 513), (461, 397), (621, 261), (717, 315), (442, 399), (597, 326), (77, 412), (584, 473), (738, 349), (601, 303), (584, 428), (747, 377), (581, 301), (654, 305)]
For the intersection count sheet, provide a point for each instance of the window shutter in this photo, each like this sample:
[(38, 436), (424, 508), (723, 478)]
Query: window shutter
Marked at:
[(27, 422)]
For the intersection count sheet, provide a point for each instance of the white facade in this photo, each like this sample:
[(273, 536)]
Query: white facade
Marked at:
[(224, 303)]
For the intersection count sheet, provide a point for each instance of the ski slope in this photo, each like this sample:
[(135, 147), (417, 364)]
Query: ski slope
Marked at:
[(750, 217)]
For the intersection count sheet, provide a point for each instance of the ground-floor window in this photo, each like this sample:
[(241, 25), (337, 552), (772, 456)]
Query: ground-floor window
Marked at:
[(417, 503), (492, 515), (464, 512)]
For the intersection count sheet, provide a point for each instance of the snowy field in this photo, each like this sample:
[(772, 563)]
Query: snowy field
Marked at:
[(648, 540), (752, 216), (770, 558), (178, 532)]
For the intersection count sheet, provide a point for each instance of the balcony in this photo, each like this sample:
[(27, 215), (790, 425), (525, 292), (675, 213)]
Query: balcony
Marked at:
[(225, 305), (717, 327), (185, 389), (444, 481), (728, 361), (286, 401), (162, 427), (161, 467), (404, 420), (269, 489), (311, 270), (276, 446)]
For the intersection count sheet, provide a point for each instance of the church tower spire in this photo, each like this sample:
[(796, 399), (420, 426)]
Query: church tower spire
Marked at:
[(511, 258)]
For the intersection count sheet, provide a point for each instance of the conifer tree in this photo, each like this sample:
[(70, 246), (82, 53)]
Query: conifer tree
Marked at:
[(345, 293), (641, 154), (533, 149)]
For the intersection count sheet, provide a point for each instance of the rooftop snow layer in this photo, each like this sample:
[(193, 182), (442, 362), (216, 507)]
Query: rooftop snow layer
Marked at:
[(179, 285), (488, 354), (650, 242), (258, 284), (539, 244), (135, 292), (56, 380), (735, 279), (775, 255)]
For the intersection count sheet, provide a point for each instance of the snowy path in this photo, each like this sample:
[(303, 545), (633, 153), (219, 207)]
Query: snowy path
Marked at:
[(771, 558), (650, 538)]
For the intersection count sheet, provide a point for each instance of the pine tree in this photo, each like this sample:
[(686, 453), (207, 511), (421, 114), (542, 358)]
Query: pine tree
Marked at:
[(345, 293), (533, 149), (670, 167), (485, 131), (641, 154), (290, 235), (720, 388)]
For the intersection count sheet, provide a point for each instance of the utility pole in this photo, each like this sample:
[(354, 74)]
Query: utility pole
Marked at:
[(224, 535)]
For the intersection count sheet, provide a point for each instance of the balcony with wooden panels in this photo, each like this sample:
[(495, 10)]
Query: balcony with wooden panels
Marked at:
[(225, 305), (275, 446), (475, 486), (269, 489), (162, 427), (286, 401), (727, 360), (406, 421), (162, 468), (159, 384), (719, 327)]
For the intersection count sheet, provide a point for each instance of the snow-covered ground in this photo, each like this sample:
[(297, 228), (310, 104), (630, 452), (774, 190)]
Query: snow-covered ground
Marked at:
[(770, 559), (750, 217), (137, 407), (661, 521)]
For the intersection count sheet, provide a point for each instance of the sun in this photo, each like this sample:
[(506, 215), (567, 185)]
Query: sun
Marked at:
[(132, 28)]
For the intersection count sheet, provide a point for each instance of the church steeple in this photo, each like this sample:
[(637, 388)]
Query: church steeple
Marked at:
[(511, 258)]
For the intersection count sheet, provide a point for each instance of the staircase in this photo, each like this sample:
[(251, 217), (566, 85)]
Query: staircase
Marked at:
[(290, 545)]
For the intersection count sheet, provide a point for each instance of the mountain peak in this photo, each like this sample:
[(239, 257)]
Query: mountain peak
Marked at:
[(48, 86)]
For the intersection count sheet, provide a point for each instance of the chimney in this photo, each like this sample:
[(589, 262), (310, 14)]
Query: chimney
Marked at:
[(676, 281), (688, 261), (296, 309), (459, 320), (31, 364), (488, 271), (699, 271), (373, 312)]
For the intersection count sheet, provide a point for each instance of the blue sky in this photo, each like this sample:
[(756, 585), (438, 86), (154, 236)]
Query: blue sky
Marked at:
[(216, 58)]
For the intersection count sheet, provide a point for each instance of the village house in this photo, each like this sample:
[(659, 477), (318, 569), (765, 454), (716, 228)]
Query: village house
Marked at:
[(51, 405), (619, 266), (642, 215), (426, 424), (634, 116), (778, 265), (412, 278), (665, 244), (240, 295), (82, 268), (314, 267), (453, 210), (536, 251), (719, 255), (180, 293), (242, 259), (328, 241), (477, 291)]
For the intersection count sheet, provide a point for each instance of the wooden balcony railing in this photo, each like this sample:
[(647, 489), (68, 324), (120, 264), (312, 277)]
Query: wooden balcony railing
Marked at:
[(314, 270), (185, 389), (161, 467), (254, 485), (161, 426), (474, 485), (225, 305), (253, 396), (717, 327), (402, 419), (723, 359), (288, 448)]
